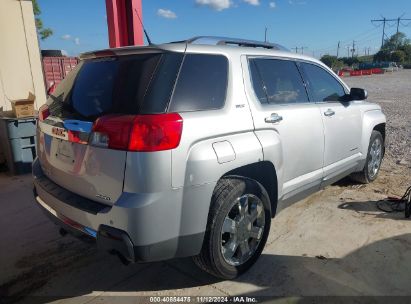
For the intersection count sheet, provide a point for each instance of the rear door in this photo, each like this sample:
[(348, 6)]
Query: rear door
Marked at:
[(107, 86), (282, 111), (342, 120)]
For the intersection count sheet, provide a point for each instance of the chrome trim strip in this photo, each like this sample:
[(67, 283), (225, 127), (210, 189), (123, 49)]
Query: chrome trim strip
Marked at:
[(84, 229)]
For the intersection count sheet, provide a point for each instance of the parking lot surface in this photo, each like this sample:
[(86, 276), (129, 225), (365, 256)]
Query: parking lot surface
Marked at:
[(336, 242)]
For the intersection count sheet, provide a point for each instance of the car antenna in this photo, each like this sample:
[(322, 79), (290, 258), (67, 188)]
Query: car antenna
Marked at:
[(142, 25)]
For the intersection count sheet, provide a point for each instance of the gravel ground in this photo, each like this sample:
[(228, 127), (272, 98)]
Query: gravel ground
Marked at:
[(393, 92)]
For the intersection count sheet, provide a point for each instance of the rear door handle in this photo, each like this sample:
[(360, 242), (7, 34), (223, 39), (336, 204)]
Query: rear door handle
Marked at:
[(329, 112), (274, 117)]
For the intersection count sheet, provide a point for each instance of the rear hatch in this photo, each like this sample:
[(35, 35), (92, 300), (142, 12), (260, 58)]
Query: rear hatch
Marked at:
[(86, 127)]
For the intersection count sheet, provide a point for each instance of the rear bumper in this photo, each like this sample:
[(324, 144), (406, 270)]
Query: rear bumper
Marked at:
[(140, 227), (107, 238)]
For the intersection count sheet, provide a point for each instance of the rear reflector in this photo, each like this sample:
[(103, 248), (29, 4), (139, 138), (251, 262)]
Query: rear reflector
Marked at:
[(145, 133)]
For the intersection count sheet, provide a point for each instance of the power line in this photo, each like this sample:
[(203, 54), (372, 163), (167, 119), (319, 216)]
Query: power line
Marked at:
[(365, 34), (385, 21)]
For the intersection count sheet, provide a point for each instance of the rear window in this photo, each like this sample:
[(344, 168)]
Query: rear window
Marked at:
[(137, 84), (202, 83)]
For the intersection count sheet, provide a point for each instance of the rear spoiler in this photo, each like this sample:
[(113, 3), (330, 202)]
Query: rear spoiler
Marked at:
[(129, 50)]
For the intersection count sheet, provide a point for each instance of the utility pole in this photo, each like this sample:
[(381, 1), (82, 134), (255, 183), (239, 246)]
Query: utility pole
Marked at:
[(353, 49), (348, 51), (385, 20), (265, 35), (338, 49), (367, 51), (302, 49), (296, 49)]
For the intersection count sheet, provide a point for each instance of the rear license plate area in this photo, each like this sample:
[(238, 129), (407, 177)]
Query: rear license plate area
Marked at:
[(65, 151)]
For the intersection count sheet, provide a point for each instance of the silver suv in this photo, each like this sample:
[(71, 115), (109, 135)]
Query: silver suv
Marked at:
[(190, 148)]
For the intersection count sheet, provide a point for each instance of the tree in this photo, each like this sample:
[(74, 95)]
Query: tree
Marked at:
[(397, 48), (398, 56), (382, 55), (328, 60), (332, 62), (44, 33), (349, 60), (395, 42), (407, 50)]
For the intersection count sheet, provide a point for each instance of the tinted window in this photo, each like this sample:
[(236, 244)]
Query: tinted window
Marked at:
[(277, 81), (202, 83), (126, 84), (322, 85)]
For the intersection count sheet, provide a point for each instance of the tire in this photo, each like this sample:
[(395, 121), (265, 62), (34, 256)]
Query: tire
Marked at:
[(229, 198), (367, 175)]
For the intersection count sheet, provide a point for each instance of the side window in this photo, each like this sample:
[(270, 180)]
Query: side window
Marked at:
[(277, 81), (322, 85), (202, 83)]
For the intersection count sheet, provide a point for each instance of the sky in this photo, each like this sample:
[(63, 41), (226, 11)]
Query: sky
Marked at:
[(315, 25)]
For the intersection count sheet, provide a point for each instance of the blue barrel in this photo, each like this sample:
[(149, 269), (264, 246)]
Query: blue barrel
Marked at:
[(18, 143)]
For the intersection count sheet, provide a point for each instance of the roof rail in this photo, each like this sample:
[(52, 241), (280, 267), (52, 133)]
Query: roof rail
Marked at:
[(214, 40)]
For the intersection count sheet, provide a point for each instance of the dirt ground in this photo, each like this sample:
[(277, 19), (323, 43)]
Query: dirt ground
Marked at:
[(334, 243)]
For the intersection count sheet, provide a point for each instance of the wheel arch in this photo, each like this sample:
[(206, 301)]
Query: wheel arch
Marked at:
[(263, 172), (372, 120), (381, 128)]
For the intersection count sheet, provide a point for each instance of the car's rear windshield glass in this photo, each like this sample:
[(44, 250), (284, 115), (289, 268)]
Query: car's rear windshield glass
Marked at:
[(135, 84)]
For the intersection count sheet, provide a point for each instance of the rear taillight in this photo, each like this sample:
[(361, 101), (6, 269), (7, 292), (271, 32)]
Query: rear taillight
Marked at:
[(145, 133), (44, 112), (112, 131), (156, 132)]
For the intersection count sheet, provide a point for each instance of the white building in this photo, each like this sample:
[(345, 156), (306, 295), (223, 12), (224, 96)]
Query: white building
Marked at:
[(20, 64)]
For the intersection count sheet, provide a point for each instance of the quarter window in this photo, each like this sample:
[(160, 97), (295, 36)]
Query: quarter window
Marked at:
[(277, 81), (202, 83), (322, 85)]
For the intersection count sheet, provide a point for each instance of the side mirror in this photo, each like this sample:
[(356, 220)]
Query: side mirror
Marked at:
[(358, 94)]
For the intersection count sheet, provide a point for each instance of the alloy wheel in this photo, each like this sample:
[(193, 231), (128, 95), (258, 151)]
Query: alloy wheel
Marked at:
[(242, 230), (375, 158)]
